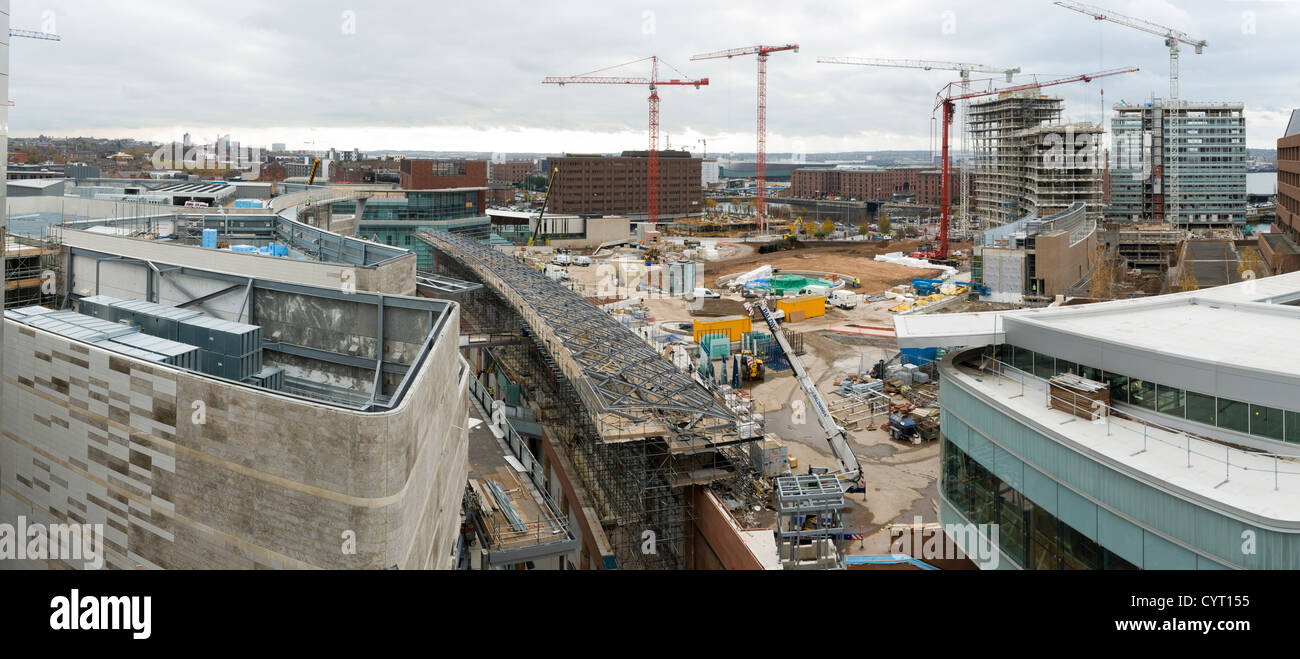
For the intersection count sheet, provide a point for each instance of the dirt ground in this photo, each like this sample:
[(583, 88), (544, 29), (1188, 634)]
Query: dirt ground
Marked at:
[(851, 260)]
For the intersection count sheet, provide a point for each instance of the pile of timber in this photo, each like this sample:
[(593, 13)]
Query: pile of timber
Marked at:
[(1079, 396)]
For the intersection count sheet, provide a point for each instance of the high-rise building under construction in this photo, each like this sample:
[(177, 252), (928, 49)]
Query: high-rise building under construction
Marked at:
[(1026, 161)]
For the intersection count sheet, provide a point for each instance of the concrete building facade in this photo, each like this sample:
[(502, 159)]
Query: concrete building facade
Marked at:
[(1191, 155), (512, 172)]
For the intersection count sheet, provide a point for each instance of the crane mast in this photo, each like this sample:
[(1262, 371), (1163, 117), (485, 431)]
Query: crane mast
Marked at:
[(653, 82), (1172, 38), (964, 69), (762, 52)]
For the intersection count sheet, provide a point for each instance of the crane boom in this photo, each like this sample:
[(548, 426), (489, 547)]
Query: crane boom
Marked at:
[(550, 184), (1101, 14), (850, 474), (31, 34), (762, 51), (653, 82), (928, 65)]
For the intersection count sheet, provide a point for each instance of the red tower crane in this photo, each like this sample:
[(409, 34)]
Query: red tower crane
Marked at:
[(946, 99), (762, 52), (653, 82)]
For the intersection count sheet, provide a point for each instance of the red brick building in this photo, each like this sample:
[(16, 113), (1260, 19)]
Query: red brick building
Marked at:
[(1288, 179), (440, 174), (874, 184), (620, 185), (511, 172)]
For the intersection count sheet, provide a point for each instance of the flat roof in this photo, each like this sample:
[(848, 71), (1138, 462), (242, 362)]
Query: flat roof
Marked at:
[(1260, 337), (985, 327), (1248, 494)]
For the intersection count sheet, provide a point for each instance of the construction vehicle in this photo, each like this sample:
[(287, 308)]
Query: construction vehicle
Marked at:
[(926, 286), (843, 299), (978, 289), (532, 240), (795, 229), (315, 169), (751, 367), (903, 429), (850, 472)]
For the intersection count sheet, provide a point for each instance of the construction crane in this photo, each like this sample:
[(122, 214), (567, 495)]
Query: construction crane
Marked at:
[(762, 52), (30, 34), (946, 100), (964, 69), (850, 472), (1172, 38), (653, 82), (550, 184), (315, 168)]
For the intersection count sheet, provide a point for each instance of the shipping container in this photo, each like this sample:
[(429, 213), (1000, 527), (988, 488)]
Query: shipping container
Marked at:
[(812, 306), (733, 326)]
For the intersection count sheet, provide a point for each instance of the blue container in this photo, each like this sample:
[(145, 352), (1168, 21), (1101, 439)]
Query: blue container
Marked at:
[(210, 238)]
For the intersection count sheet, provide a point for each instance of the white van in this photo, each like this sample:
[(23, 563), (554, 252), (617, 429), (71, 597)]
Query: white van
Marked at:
[(815, 289), (582, 260), (703, 293), (561, 259), (843, 299)]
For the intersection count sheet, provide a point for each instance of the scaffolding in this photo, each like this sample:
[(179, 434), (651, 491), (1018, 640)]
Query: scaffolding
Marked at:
[(1026, 161), (810, 526), (33, 270), (639, 434)]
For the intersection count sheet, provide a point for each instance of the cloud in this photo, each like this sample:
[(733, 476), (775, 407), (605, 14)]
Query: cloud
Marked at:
[(466, 75)]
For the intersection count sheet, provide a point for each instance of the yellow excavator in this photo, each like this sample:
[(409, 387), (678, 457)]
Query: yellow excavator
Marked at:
[(751, 367), (796, 228), (550, 184)]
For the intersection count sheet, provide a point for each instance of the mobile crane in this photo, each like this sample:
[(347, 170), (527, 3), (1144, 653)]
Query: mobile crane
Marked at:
[(850, 473), (550, 182), (315, 169)]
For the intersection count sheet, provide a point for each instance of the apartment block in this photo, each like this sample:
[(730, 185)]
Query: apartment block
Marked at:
[(440, 174), (1027, 162), (874, 184)]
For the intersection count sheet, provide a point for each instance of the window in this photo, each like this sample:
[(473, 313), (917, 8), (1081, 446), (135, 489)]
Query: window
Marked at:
[(1077, 551), (1200, 408), (1170, 400), (1266, 422), (1091, 373), (1118, 387), (1293, 427), (1044, 365), (1023, 360), (1142, 393), (1047, 553), (1063, 366), (1234, 415)]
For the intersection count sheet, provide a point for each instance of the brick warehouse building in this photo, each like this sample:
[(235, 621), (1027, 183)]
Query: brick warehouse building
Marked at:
[(873, 184), (511, 172), (1288, 179), (441, 174), (618, 185)]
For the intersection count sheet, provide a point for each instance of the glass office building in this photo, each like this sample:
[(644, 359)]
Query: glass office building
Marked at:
[(395, 222), (1195, 464)]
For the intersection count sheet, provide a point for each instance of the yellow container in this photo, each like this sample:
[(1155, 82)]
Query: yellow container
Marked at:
[(732, 326), (812, 306)]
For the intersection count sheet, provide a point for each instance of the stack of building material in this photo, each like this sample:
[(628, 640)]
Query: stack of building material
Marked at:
[(1079, 396)]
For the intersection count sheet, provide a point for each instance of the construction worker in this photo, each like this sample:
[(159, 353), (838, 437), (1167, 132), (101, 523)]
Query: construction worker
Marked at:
[(857, 282)]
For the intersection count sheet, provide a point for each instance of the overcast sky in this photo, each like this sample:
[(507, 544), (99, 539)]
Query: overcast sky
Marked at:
[(466, 75)]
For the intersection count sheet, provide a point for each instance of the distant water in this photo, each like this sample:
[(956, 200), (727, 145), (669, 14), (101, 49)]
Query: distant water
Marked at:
[(1261, 183)]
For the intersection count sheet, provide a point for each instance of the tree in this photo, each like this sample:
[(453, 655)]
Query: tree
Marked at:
[(1187, 280), (1103, 274), (1250, 261), (864, 229), (828, 227), (884, 224)]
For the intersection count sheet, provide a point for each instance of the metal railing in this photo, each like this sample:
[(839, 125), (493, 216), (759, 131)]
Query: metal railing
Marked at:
[(1191, 445), (552, 526)]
